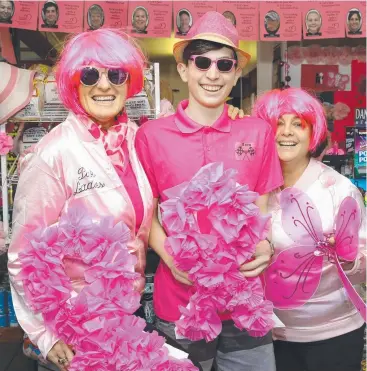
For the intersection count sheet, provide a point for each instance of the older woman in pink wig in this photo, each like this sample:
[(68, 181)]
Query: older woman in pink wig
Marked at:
[(323, 330), (89, 160)]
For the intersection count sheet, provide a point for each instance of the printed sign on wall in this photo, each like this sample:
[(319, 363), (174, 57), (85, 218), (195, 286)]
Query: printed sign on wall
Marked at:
[(280, 20), (105, 14), (19, 14), (186, 13), (61, 16), (323, 20), (243, 15), (150, 18), (355, 18)]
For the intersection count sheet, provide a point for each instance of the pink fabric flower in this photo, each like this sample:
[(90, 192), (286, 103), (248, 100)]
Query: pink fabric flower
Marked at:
[(340, 111), (177, 365), (313, 54), (197, 324), (78, 236), (295, 55), (331, 54), (345, 55), (6, 144)]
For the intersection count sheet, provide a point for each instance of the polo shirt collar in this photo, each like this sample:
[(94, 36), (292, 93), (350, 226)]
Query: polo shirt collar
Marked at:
[(188, 126)]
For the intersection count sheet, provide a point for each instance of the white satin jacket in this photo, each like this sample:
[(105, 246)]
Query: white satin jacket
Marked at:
[(329, 313), (69, 167)]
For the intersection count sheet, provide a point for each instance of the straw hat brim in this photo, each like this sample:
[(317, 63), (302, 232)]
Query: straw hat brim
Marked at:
[(180, 46)]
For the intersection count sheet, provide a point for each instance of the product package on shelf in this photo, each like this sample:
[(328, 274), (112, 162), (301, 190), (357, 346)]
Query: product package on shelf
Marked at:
[(360, 153), (7, 312), (143, 106)]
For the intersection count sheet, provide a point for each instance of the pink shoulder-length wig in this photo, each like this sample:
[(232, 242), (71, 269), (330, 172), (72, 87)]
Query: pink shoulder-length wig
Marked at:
[(276, 103), (103, 48)]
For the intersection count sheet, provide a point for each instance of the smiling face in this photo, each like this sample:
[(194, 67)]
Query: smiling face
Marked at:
[(354, 23), (6, 10), (95, 19), (184, 23), (103, 101), (313, 22), (272, 25), (209, 88), (140, 20), (51, 15), (292, 139)]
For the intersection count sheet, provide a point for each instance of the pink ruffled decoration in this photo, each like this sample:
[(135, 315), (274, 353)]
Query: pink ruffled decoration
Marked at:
[(331, 54), (340, 111), (313, 54), (295, 55), (345, 55), (99, 322), (359, 53), (6, 144), (214, 227)]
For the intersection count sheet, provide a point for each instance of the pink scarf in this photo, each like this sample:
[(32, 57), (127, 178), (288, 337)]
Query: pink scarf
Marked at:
[(112, 140)]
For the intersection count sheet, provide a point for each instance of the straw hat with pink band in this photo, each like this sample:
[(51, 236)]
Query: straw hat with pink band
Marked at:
[(214, 27), (16, 88)]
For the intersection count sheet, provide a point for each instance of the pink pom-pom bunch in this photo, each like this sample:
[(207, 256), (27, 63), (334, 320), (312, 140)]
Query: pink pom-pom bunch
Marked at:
[(99, 321), (214, 227)]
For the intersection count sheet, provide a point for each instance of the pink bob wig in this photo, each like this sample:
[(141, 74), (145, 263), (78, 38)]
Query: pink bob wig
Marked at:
[(103, 48), (276, 103)]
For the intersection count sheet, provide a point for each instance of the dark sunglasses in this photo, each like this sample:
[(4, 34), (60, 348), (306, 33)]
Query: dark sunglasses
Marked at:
[(204, 63), (90, 76)]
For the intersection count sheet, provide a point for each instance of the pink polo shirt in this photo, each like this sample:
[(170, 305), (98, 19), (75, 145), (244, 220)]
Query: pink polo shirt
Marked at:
[(172, 149)]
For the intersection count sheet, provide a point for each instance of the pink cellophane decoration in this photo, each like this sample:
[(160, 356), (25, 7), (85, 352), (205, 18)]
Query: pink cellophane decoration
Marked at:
[(214, 227), (99, 321), (294, 276), (6, 144)]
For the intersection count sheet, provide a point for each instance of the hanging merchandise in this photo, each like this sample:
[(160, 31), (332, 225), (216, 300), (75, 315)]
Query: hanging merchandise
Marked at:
[(146, 105), (287, 79)]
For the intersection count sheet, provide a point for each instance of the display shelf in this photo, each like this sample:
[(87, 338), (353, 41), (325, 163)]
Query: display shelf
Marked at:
[(54, 113)]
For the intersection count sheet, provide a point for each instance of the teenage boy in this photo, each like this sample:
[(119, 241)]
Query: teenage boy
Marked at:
[(174, 148)]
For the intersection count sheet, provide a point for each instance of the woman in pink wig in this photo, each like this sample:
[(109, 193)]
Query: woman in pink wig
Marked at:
[(310, 215), (87, 162)]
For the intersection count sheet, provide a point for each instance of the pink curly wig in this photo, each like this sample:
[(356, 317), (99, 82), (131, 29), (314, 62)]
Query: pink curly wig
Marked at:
[(103, 48), (276, 103)]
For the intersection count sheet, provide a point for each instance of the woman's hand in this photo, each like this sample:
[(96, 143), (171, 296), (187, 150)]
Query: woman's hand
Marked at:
[(262, 258), (61, 355), (234, 113), (346, 265), (180, 276)]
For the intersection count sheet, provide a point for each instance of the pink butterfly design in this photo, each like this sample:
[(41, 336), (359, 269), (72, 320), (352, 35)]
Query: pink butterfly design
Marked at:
[(293, 278), (337, 80)]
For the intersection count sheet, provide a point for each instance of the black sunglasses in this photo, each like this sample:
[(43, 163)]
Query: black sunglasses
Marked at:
[(90, 76), (204, 63)]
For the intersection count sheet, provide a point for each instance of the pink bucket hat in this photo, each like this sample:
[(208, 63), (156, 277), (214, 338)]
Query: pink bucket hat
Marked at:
[(16, 88), (213, 26)]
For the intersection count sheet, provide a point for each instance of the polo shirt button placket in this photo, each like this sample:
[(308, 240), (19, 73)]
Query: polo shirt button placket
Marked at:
[(206, 131)]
